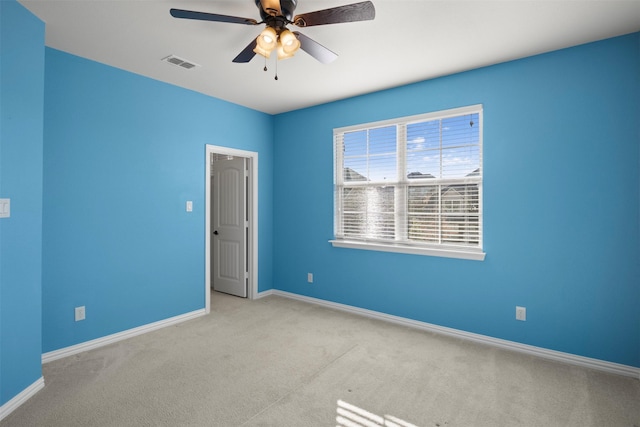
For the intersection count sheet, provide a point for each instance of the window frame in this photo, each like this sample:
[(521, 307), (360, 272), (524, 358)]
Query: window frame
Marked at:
[(416, 248)]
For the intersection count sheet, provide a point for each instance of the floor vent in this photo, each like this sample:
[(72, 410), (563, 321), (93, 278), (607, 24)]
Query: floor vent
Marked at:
[(172, 59)]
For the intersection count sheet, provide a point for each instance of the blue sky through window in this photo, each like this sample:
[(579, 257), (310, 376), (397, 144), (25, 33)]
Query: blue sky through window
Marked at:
[(442, 148), (371, 153)]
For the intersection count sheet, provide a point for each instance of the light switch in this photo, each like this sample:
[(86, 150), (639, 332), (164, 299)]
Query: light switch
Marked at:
[(189, 206), (5, 208)]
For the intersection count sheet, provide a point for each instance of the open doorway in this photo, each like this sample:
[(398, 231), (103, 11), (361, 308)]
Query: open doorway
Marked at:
[(231, 234)]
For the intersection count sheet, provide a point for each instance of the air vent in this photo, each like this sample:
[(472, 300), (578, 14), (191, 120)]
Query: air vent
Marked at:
[(172, 59)]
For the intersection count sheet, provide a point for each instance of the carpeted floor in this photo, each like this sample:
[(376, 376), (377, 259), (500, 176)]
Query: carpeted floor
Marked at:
[(279, 362)]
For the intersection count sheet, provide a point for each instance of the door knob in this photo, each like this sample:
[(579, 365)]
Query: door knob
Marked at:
[(215, 232)]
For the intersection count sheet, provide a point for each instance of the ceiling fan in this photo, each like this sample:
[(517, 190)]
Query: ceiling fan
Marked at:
[(276, 15)]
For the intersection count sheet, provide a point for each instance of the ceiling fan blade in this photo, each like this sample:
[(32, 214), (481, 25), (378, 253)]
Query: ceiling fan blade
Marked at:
[(247, 54), (315, 49), (363, 11), (203, 16)]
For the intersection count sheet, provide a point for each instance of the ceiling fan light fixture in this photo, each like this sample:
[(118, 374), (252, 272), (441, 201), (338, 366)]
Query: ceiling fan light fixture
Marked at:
[(261, 51), (282, 54), (288, 42), (266, 42), (267, 39)]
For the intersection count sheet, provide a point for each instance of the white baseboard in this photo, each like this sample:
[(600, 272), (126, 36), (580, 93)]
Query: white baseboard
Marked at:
[(109, 339), (21, 397), (572, 359), (265, 293)]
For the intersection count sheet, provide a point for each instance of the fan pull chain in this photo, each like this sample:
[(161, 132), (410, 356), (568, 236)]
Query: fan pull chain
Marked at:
[(266, 69), (276, 77)]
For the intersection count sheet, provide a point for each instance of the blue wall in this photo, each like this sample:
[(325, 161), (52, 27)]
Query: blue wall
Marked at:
[(21, 102), (122, 155), (561, 205), (98, 213)]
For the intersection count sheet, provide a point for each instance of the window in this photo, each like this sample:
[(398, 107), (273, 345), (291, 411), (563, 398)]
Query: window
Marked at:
[(411, 185)]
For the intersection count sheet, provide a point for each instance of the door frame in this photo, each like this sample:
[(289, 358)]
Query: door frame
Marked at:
[(252, 197)]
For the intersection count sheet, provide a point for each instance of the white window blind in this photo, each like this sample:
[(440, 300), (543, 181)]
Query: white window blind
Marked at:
[(414, 181)]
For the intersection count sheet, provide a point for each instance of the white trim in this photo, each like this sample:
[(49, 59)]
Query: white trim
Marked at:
[(265, 293), (558, 356), (21, 398), (460, 111), (110, 339), (253, 230), (461, 253)]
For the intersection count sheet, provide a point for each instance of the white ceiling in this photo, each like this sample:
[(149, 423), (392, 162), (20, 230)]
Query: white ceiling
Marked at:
[(408, 41)]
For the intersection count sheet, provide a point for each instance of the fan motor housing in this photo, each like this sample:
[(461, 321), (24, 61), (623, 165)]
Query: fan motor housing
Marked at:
[(286, 9)]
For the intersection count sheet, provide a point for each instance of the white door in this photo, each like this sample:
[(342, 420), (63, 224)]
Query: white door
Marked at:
[(229, 226)]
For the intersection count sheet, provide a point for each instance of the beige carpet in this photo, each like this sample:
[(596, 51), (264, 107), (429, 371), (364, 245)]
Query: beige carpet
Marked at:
[(278, 362)]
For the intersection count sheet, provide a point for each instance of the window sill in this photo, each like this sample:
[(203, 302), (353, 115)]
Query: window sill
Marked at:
[(460, 253)]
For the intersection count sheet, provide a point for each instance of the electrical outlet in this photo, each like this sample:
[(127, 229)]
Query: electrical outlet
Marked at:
[(310, 277), (5, 208), (521, 313), (80, 313)]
